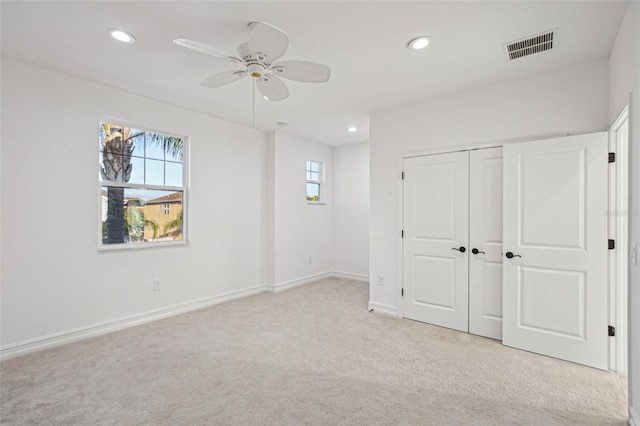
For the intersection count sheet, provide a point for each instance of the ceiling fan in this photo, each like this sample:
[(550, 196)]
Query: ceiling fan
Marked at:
[(257, 56)]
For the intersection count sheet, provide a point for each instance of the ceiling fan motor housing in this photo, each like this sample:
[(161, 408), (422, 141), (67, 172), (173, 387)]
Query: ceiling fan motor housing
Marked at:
[(255, 63), (255, 70)]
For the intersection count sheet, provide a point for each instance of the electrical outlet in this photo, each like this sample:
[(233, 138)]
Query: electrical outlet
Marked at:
[(380, 279), (156, 285), (310, 259)]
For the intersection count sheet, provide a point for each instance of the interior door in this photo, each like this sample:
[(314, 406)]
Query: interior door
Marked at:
[(435, 224), (555, 244), (485, 242)]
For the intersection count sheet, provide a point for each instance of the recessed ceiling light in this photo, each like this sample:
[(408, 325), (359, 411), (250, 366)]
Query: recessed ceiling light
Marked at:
[(418, 43), (352, 129), (121, 35)]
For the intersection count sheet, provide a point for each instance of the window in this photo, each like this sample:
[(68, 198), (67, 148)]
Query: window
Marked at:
[(314, 182), (142, 186)]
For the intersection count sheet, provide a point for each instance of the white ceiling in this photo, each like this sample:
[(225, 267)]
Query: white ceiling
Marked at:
[(363, 42)]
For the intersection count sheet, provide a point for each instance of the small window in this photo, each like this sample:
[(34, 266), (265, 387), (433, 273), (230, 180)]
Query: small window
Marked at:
[(142, 186), (314, 182)]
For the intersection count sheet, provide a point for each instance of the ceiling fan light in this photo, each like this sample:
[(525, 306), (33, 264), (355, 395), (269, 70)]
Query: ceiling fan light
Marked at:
[(122, 36), (418, 43)]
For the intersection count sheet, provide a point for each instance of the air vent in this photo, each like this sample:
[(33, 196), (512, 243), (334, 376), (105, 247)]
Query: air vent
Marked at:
[(531, 45)]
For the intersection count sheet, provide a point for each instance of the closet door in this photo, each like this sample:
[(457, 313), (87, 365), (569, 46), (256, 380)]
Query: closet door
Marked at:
[(485, 242), (555, 244), (435, 249)]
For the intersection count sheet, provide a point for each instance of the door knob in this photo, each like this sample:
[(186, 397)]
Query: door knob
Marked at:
[(476, 251), (461, 249), (511, 255)]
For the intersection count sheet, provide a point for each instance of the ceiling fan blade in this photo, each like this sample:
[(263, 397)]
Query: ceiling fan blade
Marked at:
[(309, 72), (223, 78), (267, 40), (196, 46), (272, 88)]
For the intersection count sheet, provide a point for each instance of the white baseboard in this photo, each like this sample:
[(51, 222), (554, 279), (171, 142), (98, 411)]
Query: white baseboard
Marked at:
[(383, 309), (56, 339), (61, 338), (350, 276), (285, 285), (634, 418)]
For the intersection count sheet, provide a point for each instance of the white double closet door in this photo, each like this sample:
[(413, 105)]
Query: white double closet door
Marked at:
[(452, 241), (537, 219)]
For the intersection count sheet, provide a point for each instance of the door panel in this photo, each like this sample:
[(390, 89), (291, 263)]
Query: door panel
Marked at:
[(545, 227), (433, 198), (485, 234), (435, 209), (559, 318), (441, 272), (491, 295), (555, 203)]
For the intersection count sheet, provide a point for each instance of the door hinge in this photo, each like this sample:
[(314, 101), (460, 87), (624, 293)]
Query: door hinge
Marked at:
[(612, 331), (402, 234), (612, 244), (402, 175), (402, 292), (612, 157)]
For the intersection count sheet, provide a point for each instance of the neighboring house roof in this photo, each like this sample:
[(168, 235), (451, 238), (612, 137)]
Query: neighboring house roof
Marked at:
[(176, 197)]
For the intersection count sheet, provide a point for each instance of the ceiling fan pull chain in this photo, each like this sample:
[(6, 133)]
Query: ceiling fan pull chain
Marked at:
[(253, 107)]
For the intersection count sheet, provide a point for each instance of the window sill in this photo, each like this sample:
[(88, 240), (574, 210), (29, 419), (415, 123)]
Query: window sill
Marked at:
[(141, 246)]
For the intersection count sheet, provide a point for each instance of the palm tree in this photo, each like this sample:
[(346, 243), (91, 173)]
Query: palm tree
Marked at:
[(174, 224), (117, 147), (136, 224), (118, 144)]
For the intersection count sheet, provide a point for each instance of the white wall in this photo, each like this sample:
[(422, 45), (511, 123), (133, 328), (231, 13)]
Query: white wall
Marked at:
[(54, 280), (351, 210), (572, 100), (250, 224), (299, 230), (624, 82), (270, 179), (623, 63)]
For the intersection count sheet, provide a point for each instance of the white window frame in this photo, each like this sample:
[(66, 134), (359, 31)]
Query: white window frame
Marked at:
[(184, 188), (319, 182)]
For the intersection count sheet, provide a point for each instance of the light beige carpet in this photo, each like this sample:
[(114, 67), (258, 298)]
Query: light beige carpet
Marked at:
[(312, 355)]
